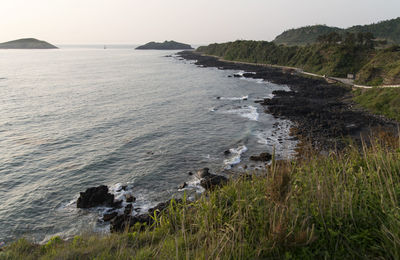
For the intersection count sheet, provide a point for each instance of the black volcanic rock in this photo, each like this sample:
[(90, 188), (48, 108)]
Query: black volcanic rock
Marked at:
[(212, 181), (167, 45), (321, 113), (122, 222), (28, 43), (263, 157), (95, 196)]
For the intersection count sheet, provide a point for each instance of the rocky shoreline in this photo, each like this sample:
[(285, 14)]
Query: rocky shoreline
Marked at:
[(323, 113), (121, 213), (320, 111)]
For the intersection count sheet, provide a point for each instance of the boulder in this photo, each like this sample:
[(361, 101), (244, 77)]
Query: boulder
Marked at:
[(130, 198), (212, 181), (227, 152), (203, 173), (110, 216), (96, 196), (122, 222), (182, 186), (263, 157)]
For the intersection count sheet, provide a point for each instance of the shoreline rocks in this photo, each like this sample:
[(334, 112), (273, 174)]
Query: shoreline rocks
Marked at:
[(321, 112), (263, 157), (96, 196)]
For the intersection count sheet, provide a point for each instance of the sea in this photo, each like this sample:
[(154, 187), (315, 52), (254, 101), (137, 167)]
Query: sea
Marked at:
[(83, 116)]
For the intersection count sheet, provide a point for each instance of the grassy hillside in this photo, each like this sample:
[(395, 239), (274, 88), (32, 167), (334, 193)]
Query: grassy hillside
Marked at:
[(304, 35), (332, 60), (339, 206), (384, 101), (372, 66), (388, 30), (382, 69)]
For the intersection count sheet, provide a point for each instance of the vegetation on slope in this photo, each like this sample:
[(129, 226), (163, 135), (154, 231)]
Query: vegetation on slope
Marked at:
[(304, 35), (324, 58), (166, 45), (382, 69), (340, 206), (388, 30), (334, 55), (384, 101)]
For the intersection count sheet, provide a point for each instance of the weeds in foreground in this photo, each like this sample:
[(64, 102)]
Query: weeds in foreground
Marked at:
[(341, 205)]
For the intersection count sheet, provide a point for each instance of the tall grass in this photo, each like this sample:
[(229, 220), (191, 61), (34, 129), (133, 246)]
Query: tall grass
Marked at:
[(384, 101), (342, 206)]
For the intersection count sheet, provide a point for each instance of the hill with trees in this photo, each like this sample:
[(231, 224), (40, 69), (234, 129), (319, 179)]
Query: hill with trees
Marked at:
[(167, 45), (27, 43), (388, 30), (334, 55)]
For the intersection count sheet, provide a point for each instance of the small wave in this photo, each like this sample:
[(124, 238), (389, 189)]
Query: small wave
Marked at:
[(270, 96), (194, 184), (234, 98), (236, 156), (242, 72), (249, 112), (278, 138), (259, 81)]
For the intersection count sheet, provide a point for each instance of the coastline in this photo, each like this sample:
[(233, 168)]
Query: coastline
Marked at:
[(321, 115), (321, 112)]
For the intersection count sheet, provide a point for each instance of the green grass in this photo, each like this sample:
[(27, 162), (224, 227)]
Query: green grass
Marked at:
[(382, 69), (384, 101), (339, 206), (329, 59)]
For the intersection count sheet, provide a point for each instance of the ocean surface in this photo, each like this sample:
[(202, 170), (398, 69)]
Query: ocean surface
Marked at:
[(78, 117)]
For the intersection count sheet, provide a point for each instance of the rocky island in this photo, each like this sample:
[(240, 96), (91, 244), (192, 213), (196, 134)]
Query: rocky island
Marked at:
[(27, 43), (166, 45)]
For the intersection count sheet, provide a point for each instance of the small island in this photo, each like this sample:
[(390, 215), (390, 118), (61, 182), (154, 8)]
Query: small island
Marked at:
[(27, 43), (167, 45)]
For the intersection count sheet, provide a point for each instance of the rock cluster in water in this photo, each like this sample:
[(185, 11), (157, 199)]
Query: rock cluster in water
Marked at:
[(119, 219), (96, 196)]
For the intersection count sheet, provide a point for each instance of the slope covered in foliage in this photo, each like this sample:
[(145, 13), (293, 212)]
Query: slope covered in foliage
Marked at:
[(332, 60)]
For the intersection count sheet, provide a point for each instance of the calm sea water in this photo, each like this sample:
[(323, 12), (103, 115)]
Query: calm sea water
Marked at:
[(75, 118)]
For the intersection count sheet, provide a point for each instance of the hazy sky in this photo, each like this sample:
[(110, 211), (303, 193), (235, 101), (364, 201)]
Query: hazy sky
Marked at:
[(191, 21)]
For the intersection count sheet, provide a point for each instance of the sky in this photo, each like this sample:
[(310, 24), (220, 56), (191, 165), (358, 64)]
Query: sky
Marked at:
[(189, 21)]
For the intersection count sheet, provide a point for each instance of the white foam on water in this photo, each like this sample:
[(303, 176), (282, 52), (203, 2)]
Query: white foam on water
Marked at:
[(240, 73), (278, 138), (236, 156), (235, 98), (249, 112), (270, 96), (194, 184)]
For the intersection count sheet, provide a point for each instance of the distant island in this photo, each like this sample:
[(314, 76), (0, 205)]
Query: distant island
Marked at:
[(167, 45), (27, 43)]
